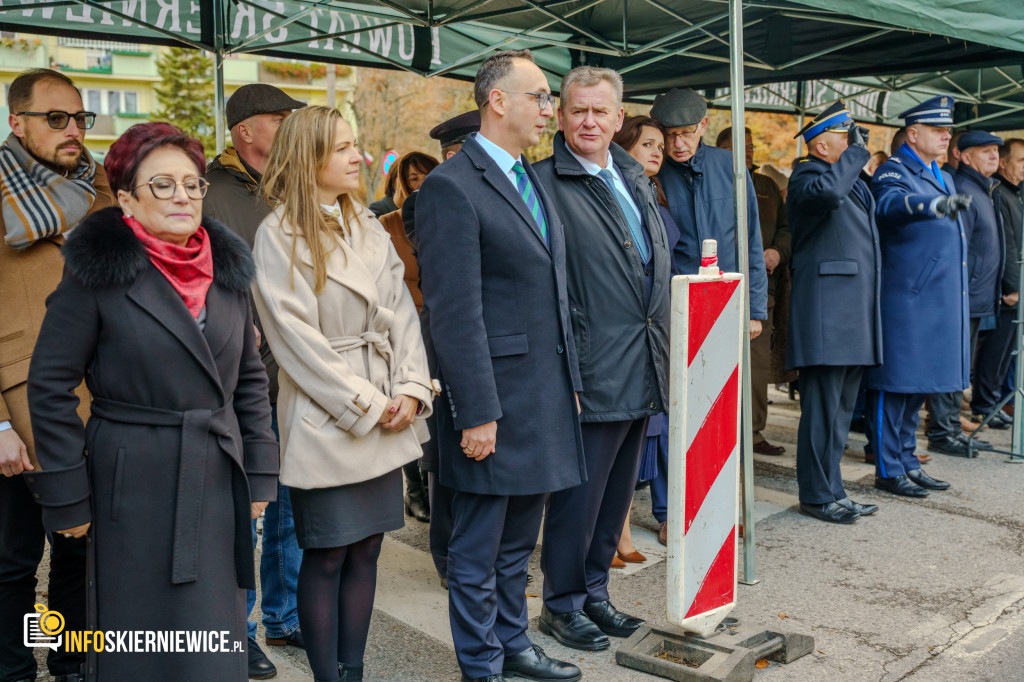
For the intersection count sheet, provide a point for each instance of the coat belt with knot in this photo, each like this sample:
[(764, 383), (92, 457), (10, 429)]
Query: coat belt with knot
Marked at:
[(377, 335), (196, 427)]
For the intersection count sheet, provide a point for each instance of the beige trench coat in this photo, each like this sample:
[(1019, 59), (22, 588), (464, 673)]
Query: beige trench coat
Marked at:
[(344, 353)]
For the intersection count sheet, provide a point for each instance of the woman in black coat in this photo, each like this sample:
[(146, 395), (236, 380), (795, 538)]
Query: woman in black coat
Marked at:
[(153, 314)]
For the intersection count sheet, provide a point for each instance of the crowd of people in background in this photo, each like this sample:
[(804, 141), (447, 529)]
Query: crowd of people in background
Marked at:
[(186, 347)]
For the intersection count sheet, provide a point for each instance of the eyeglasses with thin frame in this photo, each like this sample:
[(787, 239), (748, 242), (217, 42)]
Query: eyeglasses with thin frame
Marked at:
[(164, 187), (58, 120), (543, 98)]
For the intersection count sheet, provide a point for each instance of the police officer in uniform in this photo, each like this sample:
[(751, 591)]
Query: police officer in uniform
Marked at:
[(924, 296), (836, 258)]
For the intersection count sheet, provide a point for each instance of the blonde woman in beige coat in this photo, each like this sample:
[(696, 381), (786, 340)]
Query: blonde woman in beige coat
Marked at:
[(354, 382)]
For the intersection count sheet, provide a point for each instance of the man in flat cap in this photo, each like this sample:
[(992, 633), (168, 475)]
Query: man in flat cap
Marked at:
[(924, 296), (697, 180), (834, 324), (986, 253), (254, 113)]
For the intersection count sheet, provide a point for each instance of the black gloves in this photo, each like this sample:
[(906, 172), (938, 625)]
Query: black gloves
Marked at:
[(857, 136), (948, 206)]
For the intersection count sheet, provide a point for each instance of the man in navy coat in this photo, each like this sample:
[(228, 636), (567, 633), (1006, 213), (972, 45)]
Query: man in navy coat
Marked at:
[(924, 296), (618, 268), (492, 268), (834, 321), (986, 252)]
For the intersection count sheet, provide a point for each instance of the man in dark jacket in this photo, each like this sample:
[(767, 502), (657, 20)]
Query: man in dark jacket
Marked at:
[(834, 322), (697, 180), (979, 160), (254, 113), (776, 238), (992, 356), (492, 267), (617, 276)]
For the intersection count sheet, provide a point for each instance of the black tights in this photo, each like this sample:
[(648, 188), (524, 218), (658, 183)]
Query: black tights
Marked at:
[(335, 602)]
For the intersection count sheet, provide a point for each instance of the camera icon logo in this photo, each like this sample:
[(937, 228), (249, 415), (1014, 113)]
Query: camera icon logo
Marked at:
[(43, 628)]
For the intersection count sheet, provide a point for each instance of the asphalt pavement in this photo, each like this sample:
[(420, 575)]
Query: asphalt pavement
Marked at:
[(926, 591)]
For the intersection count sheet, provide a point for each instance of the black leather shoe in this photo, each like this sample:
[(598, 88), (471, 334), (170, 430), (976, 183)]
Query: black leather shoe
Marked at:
[(610, 620), (416, 504), (489, 678), (919, 477), (293, 639), (534, 664), (833, 512), (260, 667), (574, 630), (979, 444), (69, 677), (950, 445), (900, 485), (997, 422), (857, 507)]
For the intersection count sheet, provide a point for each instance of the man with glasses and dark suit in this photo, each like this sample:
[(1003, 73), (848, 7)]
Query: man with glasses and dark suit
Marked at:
[(492, 269)]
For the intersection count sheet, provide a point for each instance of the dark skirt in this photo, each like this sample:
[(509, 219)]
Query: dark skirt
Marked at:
[(339, 516)]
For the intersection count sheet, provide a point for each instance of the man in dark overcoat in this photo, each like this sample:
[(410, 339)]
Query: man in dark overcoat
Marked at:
[(834, 325), (924, 296), (492, 267), (618, 270), (986, 254)]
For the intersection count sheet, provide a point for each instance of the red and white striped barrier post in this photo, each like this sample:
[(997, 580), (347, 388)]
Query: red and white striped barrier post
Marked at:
[(704, 446)]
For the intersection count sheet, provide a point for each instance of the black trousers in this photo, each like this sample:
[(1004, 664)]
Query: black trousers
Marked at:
[(827, 397), (992, 362), (583, 523), (22, 540), (945, 407)]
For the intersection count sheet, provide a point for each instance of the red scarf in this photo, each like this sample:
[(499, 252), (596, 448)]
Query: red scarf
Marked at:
[(188, 268)]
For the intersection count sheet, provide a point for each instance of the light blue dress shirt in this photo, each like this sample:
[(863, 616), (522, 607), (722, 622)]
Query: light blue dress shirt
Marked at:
[(620, 185)]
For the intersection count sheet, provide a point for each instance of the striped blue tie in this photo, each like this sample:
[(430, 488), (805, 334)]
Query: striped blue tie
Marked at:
[(530, 197), (634, 222)]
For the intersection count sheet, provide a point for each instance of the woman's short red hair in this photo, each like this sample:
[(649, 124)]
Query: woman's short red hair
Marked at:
[(135, 144)]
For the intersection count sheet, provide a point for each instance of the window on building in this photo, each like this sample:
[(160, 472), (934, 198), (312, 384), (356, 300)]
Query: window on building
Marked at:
[(131, 102), (113, 102), (94, 101)]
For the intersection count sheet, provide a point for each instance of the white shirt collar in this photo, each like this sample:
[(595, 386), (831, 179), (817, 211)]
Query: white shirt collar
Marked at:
[(590, 166)]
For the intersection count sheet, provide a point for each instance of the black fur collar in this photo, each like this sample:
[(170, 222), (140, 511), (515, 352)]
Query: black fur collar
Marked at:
[(103, 252)]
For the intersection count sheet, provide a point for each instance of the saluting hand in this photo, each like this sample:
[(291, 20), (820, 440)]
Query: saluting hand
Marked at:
[(479, 441)]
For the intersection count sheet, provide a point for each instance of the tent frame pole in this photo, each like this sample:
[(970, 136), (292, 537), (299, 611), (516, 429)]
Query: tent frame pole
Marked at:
[(218, 75), (739, 182)]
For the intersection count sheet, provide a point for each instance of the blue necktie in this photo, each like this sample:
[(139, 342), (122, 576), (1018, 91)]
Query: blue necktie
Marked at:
[(530, 197), (634, 222)]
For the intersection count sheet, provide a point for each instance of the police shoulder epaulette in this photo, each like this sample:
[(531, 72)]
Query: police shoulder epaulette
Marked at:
[(806, 158), (896, 159)]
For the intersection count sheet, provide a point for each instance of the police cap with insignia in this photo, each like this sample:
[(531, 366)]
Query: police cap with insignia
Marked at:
[(834, 119), (937, 111), (679, 108), (977, 138), (456, 129)]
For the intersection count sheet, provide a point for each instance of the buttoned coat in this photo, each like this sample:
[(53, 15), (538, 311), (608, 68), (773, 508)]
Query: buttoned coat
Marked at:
[(621, 335), (986, 243), (344, 353), (27, 277), (178, 445), (924, 282), (499, 322), (835, 318), (1009, 201)]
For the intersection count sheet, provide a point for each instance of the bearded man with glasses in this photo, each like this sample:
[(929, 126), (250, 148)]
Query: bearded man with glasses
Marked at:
[(48, 183)]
